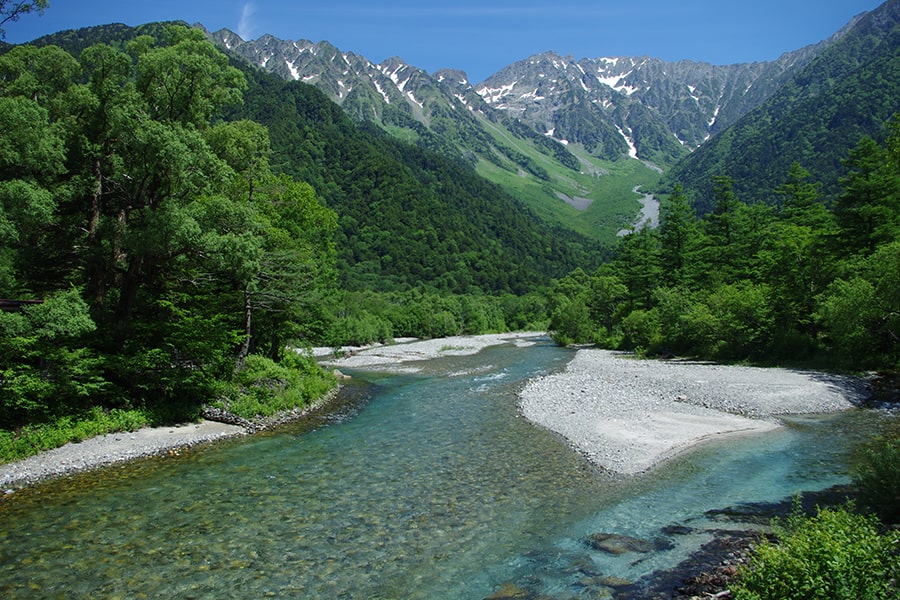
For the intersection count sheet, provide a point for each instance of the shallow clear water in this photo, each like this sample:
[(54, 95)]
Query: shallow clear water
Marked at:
[(413, 486)]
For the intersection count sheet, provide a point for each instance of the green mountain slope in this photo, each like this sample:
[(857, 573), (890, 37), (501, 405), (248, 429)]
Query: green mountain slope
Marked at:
[(408, 216), (847, 92)]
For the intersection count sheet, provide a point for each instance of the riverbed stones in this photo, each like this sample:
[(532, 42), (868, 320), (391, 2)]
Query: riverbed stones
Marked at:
[(614, 543), (627, 416), (510, 591)]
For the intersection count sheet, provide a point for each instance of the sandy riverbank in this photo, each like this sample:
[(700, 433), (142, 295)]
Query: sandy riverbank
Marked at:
[(627, 415)]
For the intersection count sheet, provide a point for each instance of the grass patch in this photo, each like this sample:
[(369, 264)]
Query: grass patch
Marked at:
[(32, 439)]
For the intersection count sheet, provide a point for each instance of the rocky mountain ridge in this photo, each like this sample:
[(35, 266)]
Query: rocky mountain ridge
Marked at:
[(639, 106)]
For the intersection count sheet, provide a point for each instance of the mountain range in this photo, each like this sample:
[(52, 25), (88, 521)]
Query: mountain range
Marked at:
[(644, 107), (540, 125), (573, 140)]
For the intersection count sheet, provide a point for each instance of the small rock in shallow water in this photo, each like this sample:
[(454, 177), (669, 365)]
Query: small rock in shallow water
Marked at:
[(677, 530), (618, 544), (509, 591), (615, 582)]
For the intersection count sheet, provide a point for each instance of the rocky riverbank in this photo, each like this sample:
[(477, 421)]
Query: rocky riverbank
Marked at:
[(120, 447), (109, 449), (115, 448), (627, 415)]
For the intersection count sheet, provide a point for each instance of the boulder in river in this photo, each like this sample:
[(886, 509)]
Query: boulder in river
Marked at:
[(615, 543)]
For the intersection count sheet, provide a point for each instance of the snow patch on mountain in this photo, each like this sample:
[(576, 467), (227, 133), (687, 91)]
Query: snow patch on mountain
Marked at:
[(294, 72), (387, 99), (632, 149), (412, 98), (495, 95)]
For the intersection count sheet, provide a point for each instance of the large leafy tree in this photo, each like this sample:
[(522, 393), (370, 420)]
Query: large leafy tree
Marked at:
[(138, 216)]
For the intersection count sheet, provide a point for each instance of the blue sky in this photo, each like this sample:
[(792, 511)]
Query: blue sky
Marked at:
[(483, 36)]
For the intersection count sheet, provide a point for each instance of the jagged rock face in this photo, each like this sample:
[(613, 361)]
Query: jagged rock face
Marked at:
[(688, 100), (643, 107)]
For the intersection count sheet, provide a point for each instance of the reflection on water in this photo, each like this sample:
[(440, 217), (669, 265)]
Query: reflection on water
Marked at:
[(425, 486)]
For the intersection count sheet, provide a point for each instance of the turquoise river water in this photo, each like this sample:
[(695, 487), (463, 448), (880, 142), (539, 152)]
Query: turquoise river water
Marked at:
[(410, 486)]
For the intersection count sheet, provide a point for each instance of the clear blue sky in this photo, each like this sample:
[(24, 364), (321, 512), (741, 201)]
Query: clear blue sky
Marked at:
[(483, 36)]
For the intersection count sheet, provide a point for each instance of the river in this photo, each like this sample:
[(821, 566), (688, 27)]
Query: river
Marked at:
[(411, 486)]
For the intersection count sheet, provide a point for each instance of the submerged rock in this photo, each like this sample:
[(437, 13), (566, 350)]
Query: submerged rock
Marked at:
[(510, 591), (615, 543)]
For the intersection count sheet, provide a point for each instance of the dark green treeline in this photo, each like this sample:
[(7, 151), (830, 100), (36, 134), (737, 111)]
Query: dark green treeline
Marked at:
[(789, 280)]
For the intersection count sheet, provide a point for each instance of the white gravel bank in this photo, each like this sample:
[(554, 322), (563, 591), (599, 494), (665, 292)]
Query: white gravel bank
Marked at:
[(627, 415), (393, 356), (109, 449)]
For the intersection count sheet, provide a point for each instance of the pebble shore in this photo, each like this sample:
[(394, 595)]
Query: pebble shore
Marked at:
[(109, 449), (124, 446), (628, 415)]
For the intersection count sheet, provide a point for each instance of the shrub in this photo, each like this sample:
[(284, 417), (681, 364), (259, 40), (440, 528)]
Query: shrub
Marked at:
[(836, 555), (877, 475), (641, 331), (267, 387)]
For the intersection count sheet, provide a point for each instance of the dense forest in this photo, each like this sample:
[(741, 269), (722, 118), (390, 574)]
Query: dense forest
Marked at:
[(151, 259), (786, 280)]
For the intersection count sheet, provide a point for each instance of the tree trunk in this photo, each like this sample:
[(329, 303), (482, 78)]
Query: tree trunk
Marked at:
[(245, 345)]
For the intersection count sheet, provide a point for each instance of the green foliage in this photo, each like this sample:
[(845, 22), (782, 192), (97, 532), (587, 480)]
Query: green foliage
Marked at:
[(265, 387), (836, 554), (877, 475), (32, 439), (159, 246), (367, 317), (641, 331), (571, 323), (42, 366), (749, 282)]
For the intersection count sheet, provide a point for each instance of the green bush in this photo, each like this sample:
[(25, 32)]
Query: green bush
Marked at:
[(641, 331), (877, 475), (836, 555), (265, 387)]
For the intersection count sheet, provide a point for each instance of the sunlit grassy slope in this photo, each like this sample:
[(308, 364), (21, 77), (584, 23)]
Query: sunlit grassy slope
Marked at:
[(608, 185)]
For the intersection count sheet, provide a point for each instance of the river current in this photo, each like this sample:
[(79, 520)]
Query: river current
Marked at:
[(410, 486)]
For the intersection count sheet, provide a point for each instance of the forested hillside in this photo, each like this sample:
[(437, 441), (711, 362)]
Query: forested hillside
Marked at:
[(150, 258), (849, 91), (408, 217), (794, 283)]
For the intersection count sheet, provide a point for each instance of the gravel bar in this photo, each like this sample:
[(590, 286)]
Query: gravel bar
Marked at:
[(108, 449), (628, 415)]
